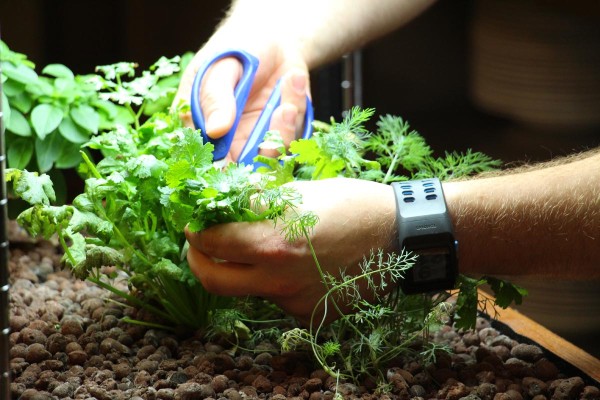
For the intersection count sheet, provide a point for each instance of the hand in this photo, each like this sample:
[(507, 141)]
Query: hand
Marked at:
[(355, 216), (277, 59)]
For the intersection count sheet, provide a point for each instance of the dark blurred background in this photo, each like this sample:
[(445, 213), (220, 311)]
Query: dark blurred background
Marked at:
[(516, 79), (519, 80)]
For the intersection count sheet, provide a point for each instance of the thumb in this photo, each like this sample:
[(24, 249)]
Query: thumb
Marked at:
[(217, 98), (216, 94)]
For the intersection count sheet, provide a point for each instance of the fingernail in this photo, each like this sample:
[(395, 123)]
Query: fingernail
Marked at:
[(299, 83), (289, 116)]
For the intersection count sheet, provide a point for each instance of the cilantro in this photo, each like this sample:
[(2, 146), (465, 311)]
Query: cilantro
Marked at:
[(31, 187), (155, 177)]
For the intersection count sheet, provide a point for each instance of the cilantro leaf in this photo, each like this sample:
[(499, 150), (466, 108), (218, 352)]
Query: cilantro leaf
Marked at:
[(505, 292), (31, 186)]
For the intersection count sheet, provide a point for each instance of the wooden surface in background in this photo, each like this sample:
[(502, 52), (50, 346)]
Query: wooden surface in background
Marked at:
[(547, 339)]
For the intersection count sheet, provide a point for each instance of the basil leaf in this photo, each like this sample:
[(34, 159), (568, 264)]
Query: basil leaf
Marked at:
[(18, 124), (22, 102), (5, 107), (69, 156), (86, 117), (19, 73), (73, 132), (45, 118), (58, 71), (19, 153), (48, 150)]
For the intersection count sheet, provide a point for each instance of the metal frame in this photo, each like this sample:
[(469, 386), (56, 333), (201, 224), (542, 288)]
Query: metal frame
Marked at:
[(4, 284)]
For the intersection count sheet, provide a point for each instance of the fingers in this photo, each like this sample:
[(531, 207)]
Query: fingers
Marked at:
[(223, 278), (244, 242), (216, 96), (288, 119), (240, 258), (294, 91), (283, 120)]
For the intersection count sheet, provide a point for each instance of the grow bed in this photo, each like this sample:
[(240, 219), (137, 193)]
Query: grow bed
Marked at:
[(569, 357), (68, 342)]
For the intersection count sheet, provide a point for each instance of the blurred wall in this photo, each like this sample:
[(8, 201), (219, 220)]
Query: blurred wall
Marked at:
[(432, 72), (422, 72)]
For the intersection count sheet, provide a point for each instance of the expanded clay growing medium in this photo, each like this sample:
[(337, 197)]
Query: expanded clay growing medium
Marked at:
[(69, 342)]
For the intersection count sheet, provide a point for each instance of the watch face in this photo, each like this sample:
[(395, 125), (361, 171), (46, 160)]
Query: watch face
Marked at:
[(432, 264), (435, 268)]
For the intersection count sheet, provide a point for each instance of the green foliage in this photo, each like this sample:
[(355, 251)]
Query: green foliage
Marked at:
[(394, 153), (155, 177), (467, 302), (50, 114), (361, 343), (151, 182)]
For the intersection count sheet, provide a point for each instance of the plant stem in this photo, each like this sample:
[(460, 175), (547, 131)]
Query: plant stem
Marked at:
[(63, 243), (391, 168)]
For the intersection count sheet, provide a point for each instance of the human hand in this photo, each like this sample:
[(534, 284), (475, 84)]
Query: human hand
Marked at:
[(276, 60), (254, 258)]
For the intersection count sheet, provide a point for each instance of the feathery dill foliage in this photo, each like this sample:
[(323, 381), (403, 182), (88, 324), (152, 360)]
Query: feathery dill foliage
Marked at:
[(395, 152), (363, 342), (155, 177)]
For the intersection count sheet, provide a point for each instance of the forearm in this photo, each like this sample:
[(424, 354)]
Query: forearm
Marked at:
[(537, 222), (322, 29)]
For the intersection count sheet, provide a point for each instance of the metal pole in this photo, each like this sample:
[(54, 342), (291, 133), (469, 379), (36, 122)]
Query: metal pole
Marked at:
[(351, 81), (4, 285)]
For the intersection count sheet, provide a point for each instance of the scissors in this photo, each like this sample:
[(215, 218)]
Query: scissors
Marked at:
[(241, 92)]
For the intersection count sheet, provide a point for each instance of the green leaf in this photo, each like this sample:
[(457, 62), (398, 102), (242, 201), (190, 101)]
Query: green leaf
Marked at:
[(467, 302), (110, 109), (19, 153), (12, 88), (48, 150), (65, 89), (45, 220), (86, 117), (76, 250), (178, 172), (19, 73), (69, 156), (97, 257), (5, 107), (18, 124), (505, 292), (307, 151), (45, 118), (22, 102), (73, 132), (91, 224), (168, 268), (58, 71), (7, 54), (42, 87), (33, 188)]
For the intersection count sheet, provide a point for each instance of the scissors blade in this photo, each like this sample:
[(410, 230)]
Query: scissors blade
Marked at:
[(219, 164)]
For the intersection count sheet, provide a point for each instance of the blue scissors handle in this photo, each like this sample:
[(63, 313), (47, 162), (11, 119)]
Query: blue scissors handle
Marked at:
[(241, 92)]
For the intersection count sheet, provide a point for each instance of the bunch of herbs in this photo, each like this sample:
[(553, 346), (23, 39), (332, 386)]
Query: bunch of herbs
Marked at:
[(157, 177)]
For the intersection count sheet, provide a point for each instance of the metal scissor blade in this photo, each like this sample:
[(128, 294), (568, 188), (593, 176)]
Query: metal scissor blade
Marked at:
[(219, 164)]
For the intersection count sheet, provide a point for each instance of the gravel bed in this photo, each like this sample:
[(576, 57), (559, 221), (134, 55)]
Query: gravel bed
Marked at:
[(68, 342)]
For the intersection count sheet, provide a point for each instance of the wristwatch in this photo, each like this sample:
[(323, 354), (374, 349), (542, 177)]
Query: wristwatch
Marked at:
[(425, 229)]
